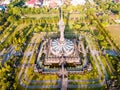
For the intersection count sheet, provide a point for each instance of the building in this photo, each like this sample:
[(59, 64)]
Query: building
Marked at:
[(5, 2), (60, 50), (2, 8), (48, 3), (34, 3), (51, 3), (116, 1), (77, 2)]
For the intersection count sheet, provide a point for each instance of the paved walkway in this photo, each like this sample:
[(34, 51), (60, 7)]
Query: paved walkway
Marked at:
[(96, 56)]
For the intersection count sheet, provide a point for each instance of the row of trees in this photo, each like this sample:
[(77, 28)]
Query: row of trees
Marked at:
[(106, 42), (109, 5), (7, 76), (25, 10), (104, 39), (3, 27)]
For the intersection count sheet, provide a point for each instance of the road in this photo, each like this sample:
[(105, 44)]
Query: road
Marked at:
[(26, 54), (96, 56), (7, 56)]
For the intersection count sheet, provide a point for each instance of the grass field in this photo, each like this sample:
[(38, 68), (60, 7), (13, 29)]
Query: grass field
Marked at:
[(114, 31), (38, 16)]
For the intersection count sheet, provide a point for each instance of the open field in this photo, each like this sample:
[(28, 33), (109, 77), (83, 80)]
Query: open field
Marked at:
[(114, 31), (38, 16)]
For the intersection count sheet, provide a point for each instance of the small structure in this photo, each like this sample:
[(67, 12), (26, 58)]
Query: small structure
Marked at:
[(111, 52), (5, 2), (116, 1), (51, 3), (76, 2), (2, 8), (34, 3), (48, 3), (117, 21)]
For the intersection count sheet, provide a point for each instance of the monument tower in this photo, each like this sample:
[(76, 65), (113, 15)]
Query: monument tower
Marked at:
[(61, 26), (62, 46)]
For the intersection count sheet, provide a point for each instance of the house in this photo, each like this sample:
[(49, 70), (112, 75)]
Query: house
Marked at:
[(2, 8), (34, 3), (52, 3), (48, 3), (77, 2), (117, 21), (116, 1), (5, 2)]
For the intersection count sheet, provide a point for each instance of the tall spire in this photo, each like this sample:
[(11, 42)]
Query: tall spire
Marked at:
[(61, 17), (61, 24), (62, 46)]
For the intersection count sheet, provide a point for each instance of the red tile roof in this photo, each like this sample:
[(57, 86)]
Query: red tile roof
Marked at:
[(31, 2), (53, 4)]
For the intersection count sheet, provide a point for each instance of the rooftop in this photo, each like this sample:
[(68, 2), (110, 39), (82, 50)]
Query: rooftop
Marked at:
[(76, 2), (2, 8)]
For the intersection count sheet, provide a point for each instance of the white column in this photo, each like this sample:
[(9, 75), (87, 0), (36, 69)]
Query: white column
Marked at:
[(62, 27)]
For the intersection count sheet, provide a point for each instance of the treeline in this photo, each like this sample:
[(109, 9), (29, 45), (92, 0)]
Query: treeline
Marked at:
[(14, 9), (7, 76), (109, 5), (4, 26), (106, 34), (113, 59)]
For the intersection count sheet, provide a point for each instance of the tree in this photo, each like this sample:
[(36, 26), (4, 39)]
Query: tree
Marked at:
[(16, 11), (12, 18), (77, 26), (6, 77)]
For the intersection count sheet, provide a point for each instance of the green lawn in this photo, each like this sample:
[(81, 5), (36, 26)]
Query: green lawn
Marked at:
[(114, 31), (38, 16)]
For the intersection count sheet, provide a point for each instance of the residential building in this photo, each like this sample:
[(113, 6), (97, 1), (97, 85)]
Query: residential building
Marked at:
[(34, 3), (48, 3), (77, 2), (5, 2), (2, 8), (116, 1)]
